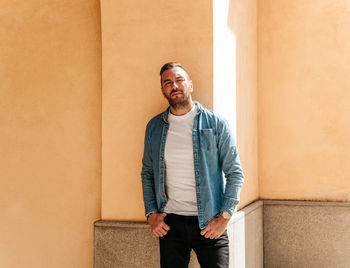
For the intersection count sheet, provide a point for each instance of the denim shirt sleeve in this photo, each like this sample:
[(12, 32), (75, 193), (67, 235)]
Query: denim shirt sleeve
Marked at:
[(231, 166), (147, 175)]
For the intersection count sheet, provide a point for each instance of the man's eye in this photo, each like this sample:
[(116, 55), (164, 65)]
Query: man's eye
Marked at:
[(180, 80)]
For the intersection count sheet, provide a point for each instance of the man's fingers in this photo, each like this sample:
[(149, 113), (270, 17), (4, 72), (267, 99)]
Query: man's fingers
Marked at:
[(212, 236), (155, 233), (203, 232), (208, 234), (166, 227), (162, 232)]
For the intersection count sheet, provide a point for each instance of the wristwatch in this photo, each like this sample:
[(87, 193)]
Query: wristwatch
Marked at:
[(225, 215)]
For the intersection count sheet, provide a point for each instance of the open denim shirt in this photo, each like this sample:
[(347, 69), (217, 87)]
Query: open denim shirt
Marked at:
[(214, 153)]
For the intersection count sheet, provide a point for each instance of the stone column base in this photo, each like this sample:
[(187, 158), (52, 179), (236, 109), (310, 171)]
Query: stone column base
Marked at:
[(126, 244)]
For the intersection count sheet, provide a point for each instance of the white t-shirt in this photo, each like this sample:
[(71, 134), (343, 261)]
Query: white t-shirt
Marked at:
[(180, 180)]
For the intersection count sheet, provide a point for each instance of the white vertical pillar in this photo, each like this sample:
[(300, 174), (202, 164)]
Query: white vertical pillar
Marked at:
[(236, 236), (225, 104), (224, 64)]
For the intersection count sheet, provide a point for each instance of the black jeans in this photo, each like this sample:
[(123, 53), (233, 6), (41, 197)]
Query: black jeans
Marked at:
[(184, 235)]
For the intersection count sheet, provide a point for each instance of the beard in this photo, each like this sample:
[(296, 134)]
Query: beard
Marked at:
[(179, 101)]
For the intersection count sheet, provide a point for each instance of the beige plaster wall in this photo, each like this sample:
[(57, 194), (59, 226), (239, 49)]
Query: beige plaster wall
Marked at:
[(304, 99), (138, 37), (242, 21), (50, 138)]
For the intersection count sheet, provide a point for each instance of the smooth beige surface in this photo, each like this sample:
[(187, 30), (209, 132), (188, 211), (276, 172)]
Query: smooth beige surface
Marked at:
[(245, 231), (235, 82), (242, 21), (304, 99), (138, 37), (254, 252), (50, 118), (50, 105)]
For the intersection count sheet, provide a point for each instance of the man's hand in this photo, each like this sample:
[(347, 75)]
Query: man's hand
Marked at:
[(158, 226), (215, 228)]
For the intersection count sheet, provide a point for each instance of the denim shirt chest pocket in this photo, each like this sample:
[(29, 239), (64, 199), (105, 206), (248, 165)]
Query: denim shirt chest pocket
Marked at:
[(207, 139)]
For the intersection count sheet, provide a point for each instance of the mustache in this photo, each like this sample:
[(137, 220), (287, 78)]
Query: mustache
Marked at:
[(175, 91)]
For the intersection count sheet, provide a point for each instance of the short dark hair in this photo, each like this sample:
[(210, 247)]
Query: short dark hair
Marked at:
[(170, 65)]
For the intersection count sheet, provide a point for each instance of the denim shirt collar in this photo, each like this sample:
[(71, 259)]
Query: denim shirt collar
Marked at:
[(166, 112)]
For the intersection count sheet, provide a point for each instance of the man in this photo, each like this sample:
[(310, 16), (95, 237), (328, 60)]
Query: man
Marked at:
[(187, 203)]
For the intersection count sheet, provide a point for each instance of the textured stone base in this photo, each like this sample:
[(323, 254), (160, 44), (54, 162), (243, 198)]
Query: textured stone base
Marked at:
[(127, 245), (124, 244), (269, 233), (304, 234)]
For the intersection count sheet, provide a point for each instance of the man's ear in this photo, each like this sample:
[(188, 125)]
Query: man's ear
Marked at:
[(161, 90), (191, 85)]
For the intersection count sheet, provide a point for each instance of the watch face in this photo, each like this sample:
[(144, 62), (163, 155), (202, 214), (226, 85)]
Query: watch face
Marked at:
[(226, 215)]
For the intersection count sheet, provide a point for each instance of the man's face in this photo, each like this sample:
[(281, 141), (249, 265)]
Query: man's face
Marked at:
[(176, 87)]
